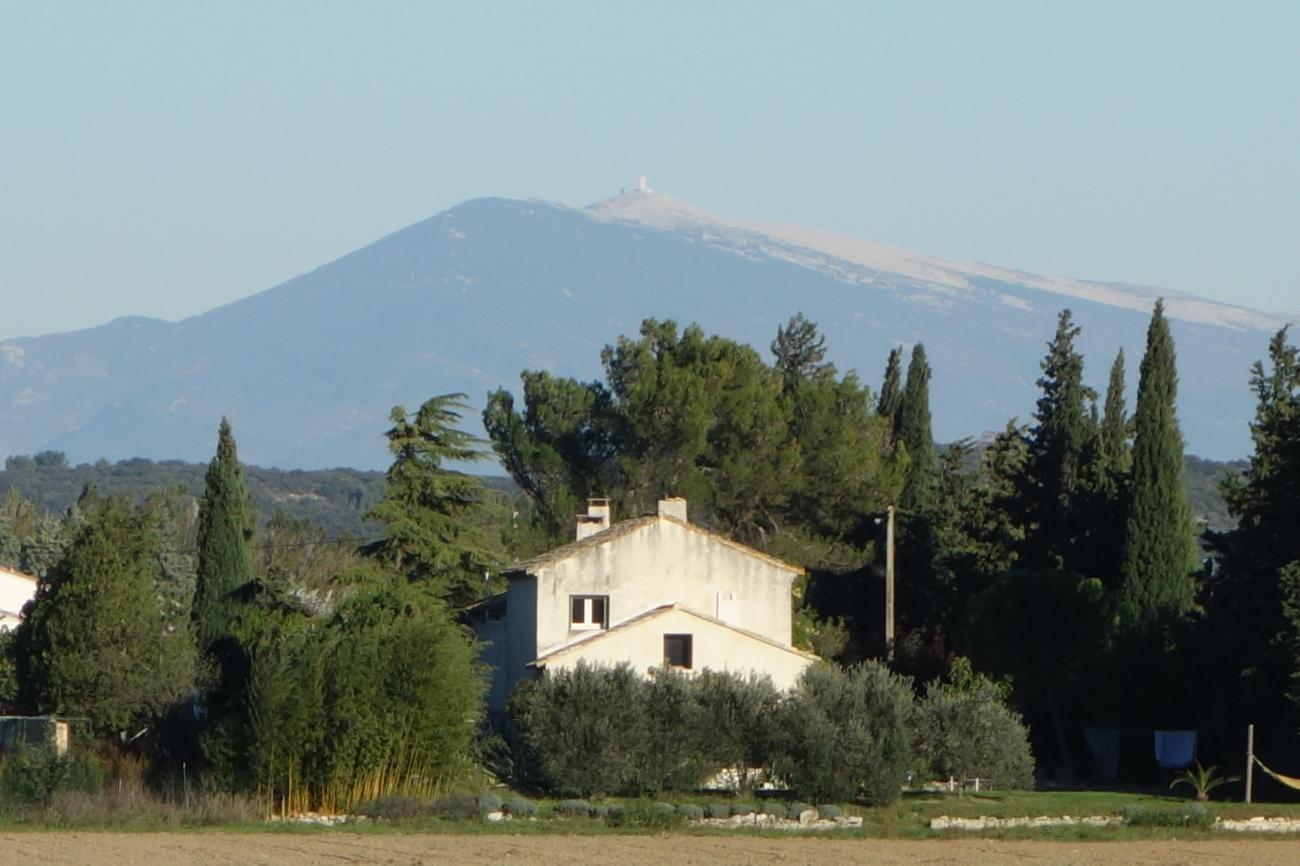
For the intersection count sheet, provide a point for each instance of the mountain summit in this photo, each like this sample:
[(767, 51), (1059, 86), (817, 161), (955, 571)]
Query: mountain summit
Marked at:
[(307, 371)]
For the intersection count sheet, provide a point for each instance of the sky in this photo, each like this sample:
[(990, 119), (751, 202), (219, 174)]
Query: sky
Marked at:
[(164, 158)]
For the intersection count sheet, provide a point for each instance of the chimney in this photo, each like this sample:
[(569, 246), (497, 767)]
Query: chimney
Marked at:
[(596, 519), (673, 506)]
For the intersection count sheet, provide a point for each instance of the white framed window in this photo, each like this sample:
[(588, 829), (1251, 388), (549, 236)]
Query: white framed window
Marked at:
[(588, 612)]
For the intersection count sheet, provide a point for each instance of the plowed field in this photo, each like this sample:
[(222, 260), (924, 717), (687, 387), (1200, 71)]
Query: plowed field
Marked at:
[(291, 849)]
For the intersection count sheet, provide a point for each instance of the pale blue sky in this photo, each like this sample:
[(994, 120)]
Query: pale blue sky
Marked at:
[(160, 158)]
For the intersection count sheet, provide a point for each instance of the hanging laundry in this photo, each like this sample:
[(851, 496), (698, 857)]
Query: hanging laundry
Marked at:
[(1175, 749), (1103, 743)]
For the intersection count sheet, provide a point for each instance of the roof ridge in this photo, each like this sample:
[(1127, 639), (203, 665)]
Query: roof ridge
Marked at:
[(623, 527)]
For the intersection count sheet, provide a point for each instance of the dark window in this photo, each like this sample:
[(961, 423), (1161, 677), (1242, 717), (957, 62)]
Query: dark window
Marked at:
[(677, 651), (588, 611)]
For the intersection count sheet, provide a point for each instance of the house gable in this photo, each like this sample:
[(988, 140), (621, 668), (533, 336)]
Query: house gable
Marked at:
[(713, 645)]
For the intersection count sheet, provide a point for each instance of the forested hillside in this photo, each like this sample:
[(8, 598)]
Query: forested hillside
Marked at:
[(336, 500)]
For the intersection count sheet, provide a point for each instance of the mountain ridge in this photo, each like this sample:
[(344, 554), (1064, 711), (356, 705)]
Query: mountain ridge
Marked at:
[(466, 299)]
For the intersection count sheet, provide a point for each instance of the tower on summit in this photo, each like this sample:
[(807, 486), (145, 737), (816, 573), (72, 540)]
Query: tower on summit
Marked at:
[(642, 186)]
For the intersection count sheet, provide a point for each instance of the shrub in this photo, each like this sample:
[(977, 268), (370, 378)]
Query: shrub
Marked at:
[(849, 733), (690, 811), (741, 718), (718, 810), (1189, 815), (390, 808), (489, 801), (574, 808), (776, 809), (457, 807), (797, 809), (520, 807), (966, 730), (742, 809), (31, 776), (672, 754), (660, 816), (830, 812), (580, 730)]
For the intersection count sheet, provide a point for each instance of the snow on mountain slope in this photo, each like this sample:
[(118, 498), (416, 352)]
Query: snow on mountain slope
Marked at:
[(837, 254)]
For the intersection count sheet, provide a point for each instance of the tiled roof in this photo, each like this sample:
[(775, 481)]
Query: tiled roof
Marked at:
[(627, 527)]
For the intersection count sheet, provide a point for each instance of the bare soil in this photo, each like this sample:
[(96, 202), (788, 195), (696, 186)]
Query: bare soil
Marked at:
[(289, 849)]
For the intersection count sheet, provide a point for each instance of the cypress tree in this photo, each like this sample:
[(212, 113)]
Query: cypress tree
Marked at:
[(225, 563), (1109, 460), (914, 433), (891, 390), (1114, 456), (1159, 540), (95, 643)]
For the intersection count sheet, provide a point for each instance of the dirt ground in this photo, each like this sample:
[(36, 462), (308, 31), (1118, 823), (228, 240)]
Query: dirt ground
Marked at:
[(218, 849)]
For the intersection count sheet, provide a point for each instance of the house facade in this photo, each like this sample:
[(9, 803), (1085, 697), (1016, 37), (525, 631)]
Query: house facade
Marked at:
[(650, 591), (16, 589)]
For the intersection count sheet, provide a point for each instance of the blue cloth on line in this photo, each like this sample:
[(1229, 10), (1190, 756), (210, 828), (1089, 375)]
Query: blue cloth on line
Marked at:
[(1104, 745), (1175, 749)]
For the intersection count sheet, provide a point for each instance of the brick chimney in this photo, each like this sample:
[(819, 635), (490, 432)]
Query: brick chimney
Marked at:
[(596, 519)]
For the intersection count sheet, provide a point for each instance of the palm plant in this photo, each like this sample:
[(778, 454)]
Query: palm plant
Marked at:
[(1203, 780)]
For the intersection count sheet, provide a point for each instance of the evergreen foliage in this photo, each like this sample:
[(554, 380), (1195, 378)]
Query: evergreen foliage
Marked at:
[(1254, 599), (1052, 495), (1159, 541), (891, 390), (772, 457), (915, 435), (799, 349), (94, 643), (427, 515), (225, 564)]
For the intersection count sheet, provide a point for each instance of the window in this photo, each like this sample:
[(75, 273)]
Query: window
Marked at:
[(677, 651), (588, 611)]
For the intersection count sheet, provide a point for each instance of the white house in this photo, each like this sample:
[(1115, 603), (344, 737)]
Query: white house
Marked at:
[(649, 591), (16, 589)]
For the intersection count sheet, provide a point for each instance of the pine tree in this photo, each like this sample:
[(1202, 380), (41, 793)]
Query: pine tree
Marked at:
[(1159, 540), (1057, 443), (429, 513), (1253, 607), (799, 349), (891, 390), (914, 432), (225, 564)]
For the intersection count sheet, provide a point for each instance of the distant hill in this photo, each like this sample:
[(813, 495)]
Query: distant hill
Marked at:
[(337, 499), (307, 371)]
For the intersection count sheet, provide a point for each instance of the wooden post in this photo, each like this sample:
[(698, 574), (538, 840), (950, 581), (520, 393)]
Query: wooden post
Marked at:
[(1250, 759), (889, 583)]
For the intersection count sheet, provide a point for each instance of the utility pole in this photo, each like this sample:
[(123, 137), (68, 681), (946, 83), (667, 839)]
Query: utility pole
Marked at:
[(1250, 759), (889, 583)]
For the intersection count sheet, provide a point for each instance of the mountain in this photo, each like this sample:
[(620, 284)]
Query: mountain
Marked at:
[(307, 371)]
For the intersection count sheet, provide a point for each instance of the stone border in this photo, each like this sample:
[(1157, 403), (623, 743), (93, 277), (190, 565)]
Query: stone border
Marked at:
[(986, 822)]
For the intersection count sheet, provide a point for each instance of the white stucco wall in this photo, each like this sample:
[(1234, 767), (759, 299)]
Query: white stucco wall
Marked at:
[(714, 647), (666, 562), (661, 562), (15, 591)]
